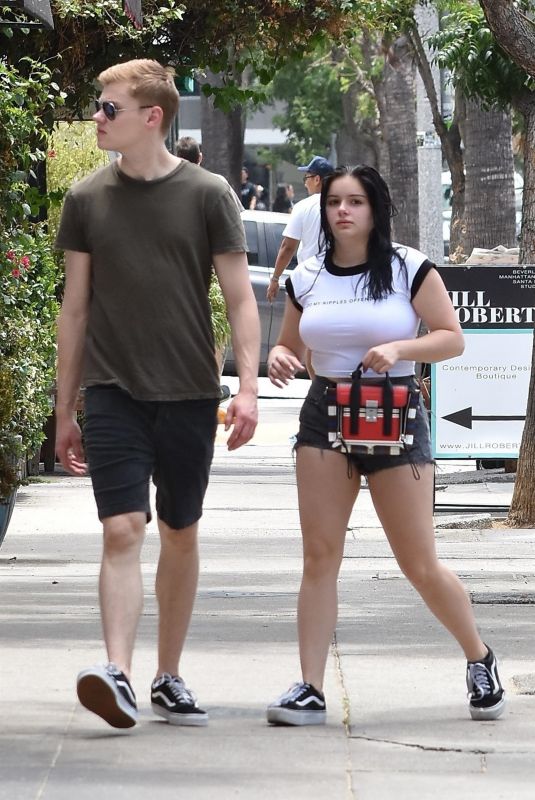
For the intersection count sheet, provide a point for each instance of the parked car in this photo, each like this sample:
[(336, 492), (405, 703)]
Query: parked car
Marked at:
[(263, 230)]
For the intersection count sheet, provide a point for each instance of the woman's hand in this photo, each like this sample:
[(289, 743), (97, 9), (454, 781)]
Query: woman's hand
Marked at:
[(381, 358), (282, 368)]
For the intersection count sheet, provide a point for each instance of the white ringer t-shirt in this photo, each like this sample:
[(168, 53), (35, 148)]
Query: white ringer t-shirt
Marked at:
[(304, 225), (339, 324)]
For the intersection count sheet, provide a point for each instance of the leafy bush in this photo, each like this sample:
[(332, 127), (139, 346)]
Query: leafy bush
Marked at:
[(28, 308), (220, 324), (28, 269), (72, 154)]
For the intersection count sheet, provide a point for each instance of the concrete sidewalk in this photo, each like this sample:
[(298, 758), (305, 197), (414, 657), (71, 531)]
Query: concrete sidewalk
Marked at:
[(398, 723)]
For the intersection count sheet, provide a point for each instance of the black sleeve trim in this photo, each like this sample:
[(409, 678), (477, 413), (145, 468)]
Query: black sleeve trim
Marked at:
[(291, 294), (423, 270)]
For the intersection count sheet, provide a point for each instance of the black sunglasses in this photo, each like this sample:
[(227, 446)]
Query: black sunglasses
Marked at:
[(111, 109)]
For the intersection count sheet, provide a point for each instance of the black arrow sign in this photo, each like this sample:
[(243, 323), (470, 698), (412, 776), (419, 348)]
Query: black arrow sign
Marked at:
[(464, 418)]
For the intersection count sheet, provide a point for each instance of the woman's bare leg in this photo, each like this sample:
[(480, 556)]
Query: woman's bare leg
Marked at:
[(326, 498), (405, 508)]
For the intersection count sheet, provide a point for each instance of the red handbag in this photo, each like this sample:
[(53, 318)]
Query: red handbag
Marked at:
[(372, 419)]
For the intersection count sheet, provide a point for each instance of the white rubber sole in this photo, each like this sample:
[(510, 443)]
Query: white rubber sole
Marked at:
[(287, 716), (192, 720), (482, 714), (97, 692)]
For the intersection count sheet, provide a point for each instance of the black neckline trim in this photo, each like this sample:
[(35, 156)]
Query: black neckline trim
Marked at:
[(334, 269)]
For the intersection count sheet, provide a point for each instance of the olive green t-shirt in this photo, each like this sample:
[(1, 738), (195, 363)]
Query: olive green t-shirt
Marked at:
[(151, 244)]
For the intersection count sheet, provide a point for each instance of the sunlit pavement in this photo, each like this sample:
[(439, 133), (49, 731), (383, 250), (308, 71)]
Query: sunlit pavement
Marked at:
[(398, 724)]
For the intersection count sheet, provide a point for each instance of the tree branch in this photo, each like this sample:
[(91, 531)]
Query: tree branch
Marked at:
[(513, 30), (427, 79)]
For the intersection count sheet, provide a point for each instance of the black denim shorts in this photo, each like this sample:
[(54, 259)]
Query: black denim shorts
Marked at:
[(313, 432), (128, 441)]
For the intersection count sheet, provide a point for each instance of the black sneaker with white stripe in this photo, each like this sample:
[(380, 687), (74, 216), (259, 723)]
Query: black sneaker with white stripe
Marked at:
[(106, 691), (174, 702), (302, 704), (485, 692)]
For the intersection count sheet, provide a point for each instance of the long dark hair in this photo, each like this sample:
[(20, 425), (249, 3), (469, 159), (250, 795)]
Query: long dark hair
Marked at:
[(380, 248), (282, 201)]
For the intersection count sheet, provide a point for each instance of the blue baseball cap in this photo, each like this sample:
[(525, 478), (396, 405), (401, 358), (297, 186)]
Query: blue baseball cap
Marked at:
[(318, 166)]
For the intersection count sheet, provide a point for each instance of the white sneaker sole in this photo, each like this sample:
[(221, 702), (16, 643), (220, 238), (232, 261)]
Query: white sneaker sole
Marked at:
[(488, 713), (173, 718), (288, 716), (97, 692)]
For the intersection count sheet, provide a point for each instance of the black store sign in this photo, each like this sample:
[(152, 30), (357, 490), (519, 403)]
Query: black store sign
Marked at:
[(492, 297)]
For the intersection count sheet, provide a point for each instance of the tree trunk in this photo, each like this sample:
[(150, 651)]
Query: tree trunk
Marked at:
[(522, 510), (371, 50), (489, 212), (355, 144), (400, 135), (526, 105), (514, 31), (383, 155), (356, 141), (450, 138), (222, 137)]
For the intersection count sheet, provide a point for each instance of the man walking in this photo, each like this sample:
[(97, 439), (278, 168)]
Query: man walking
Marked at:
[(301, 234), (140, 237)]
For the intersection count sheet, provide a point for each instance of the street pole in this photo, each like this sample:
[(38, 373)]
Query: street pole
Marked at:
[(429, 151)]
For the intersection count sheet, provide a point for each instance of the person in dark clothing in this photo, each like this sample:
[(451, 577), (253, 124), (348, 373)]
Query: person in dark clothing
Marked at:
[(247, 190)]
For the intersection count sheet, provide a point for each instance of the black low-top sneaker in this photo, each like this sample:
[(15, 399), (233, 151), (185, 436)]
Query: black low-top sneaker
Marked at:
[(302, 704), (106, 691), (174, 702), (485, 692)]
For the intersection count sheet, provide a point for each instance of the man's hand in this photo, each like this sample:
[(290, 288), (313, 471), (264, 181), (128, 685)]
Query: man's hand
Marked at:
[(273, 289), (69, 446), (242, 416), (287, 250)]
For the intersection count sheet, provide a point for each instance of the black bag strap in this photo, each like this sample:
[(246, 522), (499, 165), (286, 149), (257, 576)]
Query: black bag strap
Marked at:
[(354, 402), (388, 405)]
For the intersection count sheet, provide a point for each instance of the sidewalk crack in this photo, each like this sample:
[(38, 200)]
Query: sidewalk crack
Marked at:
[(54, 760), (424, 747), (346, 720)]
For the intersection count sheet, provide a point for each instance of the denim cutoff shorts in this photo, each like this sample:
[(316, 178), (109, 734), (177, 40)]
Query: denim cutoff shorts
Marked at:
[(313, 432), (129, 441)]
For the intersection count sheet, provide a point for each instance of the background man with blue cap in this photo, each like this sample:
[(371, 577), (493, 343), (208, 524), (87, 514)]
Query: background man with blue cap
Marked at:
[(301, 234)]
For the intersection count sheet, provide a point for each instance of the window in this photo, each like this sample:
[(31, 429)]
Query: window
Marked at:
[(251, 234), (274, 238)]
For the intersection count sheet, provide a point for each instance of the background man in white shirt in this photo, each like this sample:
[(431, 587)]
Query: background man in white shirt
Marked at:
[(302, 232)]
